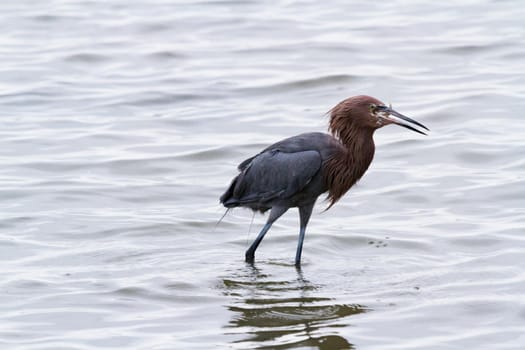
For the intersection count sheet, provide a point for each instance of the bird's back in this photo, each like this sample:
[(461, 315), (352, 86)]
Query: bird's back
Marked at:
[(287, 173)]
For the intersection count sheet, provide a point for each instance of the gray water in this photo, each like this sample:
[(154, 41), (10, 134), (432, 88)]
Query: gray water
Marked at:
[(122, 122)]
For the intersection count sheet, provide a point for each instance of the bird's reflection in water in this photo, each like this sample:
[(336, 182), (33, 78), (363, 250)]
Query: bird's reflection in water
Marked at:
[(283, 310)]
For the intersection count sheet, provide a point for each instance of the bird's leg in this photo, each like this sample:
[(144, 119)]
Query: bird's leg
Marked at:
[(250, 253), (275, 214), (304, 215)]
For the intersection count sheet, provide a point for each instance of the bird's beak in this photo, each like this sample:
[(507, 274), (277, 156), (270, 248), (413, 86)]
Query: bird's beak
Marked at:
[(393, 117)]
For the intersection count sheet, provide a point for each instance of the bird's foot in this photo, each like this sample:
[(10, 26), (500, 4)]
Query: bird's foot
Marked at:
[(249, 257)]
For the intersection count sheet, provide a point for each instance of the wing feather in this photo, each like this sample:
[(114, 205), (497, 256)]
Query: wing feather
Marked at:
[(273, 174)]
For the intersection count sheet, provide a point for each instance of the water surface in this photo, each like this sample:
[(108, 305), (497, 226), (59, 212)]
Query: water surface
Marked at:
[(123, 122)]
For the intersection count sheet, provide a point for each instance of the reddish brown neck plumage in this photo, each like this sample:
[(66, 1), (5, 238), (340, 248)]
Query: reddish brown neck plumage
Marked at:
[(349, 163)]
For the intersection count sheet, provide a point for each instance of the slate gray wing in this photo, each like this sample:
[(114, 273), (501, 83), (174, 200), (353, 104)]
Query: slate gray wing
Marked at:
[(272, 175)]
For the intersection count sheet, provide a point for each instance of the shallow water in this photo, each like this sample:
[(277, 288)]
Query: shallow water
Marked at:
[(122, 123)]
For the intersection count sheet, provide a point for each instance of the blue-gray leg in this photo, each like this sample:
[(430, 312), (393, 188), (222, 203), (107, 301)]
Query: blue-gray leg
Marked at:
[(275, 214), (302, 231), (304, 215), (250, 253)]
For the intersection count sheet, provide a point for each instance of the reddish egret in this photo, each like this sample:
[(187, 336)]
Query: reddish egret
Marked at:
[(295, 171)]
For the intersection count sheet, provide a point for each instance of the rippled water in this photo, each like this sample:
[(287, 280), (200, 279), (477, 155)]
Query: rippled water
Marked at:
[(122, 123)]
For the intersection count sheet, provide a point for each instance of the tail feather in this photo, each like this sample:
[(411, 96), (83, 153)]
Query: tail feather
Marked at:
[(220, 220), (228, 194)]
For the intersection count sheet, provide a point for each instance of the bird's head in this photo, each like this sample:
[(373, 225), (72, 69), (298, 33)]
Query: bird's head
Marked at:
[(365, 112)]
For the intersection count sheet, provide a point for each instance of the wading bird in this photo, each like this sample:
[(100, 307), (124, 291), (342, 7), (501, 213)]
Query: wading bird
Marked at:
[(294, 172)]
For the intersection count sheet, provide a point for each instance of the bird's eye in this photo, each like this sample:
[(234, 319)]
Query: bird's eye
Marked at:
[(373, 107)]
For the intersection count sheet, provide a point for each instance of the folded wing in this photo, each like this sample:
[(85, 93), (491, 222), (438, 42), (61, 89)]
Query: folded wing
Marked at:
[(271, 175)]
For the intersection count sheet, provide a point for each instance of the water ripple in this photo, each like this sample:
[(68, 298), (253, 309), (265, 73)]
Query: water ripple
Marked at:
[(122, 122)]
